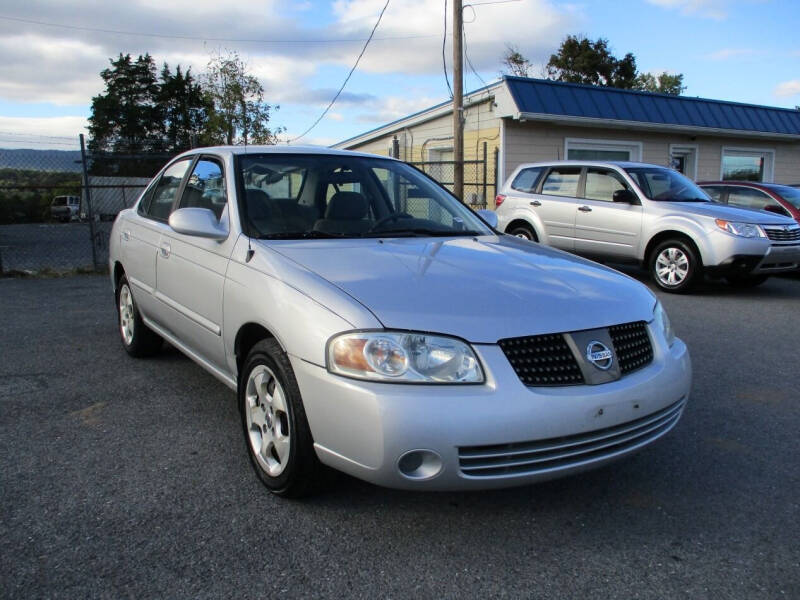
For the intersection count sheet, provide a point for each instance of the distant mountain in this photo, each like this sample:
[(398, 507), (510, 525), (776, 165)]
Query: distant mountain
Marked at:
[(41, 160)]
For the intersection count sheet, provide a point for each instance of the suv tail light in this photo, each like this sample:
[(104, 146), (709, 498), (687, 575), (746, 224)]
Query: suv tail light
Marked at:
[(499, 199)]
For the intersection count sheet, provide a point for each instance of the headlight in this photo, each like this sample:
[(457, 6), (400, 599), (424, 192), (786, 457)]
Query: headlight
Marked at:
[(661, 321), (748, 230), (408, 357)]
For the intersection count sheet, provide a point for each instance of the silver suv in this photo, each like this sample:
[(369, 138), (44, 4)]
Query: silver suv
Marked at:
[(635, 212)]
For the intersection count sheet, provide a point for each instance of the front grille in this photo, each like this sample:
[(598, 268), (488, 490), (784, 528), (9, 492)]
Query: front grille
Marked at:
[(541, 456), (542, 360), (632, 345), (779, 234)]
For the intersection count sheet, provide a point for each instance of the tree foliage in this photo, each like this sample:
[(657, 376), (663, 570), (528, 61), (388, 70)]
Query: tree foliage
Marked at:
[(514, 63), (580, 60), (238, 112), (186, 109), (663, 83)]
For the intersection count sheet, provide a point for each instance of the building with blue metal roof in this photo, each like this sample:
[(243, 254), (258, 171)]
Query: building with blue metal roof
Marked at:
[(517, 119)]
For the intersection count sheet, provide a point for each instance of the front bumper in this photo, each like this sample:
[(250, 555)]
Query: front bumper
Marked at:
[(732, 255), (365, 428)]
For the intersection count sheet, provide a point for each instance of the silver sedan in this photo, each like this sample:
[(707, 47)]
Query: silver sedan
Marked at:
[(371, 323)]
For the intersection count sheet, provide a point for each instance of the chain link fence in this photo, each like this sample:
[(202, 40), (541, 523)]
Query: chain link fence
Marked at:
[(57, 205)]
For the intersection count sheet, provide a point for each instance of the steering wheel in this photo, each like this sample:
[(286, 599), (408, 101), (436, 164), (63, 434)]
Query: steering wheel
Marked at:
[(388, 219)]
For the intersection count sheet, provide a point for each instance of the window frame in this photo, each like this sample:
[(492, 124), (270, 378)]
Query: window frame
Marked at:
[(550, 169), (633, 147), (619, 177), (148, 193), (543, 170), (768, 154), (196, 159)]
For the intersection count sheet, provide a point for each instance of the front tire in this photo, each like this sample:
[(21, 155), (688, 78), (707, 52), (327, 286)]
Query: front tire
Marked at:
[(137, 338), (276, 431), (675, 266)]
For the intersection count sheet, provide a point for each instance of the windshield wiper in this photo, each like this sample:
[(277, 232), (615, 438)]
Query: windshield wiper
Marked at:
[(420, 232), (303, 235)]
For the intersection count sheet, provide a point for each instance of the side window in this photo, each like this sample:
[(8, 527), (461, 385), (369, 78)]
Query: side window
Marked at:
[(602, 183), (715, 192), (562, 181), (526, 180), (160, 205), (749, 198), (205, 187)]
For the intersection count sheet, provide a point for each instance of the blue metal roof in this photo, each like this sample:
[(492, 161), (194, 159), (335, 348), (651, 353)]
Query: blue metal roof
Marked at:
[(540, 96)]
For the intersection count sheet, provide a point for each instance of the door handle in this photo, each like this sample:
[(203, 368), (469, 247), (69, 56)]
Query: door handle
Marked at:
[(536, 203), (126, 235), (165, 250), (584, 209)]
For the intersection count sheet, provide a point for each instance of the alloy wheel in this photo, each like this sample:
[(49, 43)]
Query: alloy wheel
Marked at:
[(267, 420)]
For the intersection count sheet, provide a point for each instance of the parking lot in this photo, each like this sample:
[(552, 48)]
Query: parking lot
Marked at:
[(129, 478)]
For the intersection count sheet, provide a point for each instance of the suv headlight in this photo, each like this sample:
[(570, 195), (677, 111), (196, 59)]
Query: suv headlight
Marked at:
[(748, 230), (407, 357), (661, 321)]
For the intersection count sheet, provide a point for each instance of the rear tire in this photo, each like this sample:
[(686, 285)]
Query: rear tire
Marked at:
[(523, 231), (745, 281), (276, 431), (675, 266), (137, 338)]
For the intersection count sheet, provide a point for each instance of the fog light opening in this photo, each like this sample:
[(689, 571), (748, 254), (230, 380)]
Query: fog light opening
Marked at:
[(420, 464)]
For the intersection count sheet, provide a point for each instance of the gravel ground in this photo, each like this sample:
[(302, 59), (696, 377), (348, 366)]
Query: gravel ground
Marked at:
[(129, 478)]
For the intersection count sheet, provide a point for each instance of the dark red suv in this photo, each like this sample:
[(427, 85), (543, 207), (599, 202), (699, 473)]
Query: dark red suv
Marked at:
[(772, 197)]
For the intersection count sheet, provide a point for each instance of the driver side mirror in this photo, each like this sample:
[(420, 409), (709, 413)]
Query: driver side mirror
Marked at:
[(624, 196), (198, 222), (489, 217)]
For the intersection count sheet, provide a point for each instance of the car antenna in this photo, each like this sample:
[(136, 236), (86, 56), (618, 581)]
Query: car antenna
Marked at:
[(250, 251)]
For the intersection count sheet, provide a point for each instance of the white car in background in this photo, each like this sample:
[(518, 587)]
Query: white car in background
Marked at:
[(370, 322), (650, 215)]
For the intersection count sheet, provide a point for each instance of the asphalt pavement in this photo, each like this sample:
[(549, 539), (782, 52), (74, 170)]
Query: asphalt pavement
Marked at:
[(129, 478)]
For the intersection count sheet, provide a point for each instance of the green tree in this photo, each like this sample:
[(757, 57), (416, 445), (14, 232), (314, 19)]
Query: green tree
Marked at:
[(580, 60), (126, 117), (514, 63), (185, 109), (239, 114), (663, 84)]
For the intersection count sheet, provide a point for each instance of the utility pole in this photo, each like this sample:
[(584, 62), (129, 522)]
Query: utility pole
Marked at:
[(458, 102)]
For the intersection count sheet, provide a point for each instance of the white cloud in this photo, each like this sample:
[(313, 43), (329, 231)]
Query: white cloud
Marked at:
[(710, 9), (787, 89), (59, 133), (726, 53)]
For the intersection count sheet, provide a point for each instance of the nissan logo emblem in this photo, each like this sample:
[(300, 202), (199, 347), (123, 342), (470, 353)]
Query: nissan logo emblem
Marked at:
[(599, 355)]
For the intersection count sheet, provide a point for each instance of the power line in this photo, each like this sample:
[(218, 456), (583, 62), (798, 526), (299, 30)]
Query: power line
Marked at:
[(469, 62), (364, 49), (211, 39), (444, 60)]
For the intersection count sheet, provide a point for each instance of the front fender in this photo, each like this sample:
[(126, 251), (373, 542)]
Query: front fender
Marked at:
[(683, 225)]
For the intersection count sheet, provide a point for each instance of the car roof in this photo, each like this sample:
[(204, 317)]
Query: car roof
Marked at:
[(279, 149), (760, 185), (625, 164)]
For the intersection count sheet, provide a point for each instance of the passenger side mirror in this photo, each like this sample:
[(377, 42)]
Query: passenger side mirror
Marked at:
[(198, 222), (489, 217), (624, 196)]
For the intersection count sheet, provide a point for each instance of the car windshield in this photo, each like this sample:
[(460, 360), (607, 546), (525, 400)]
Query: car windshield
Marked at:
[(790, 194), (667, 185), (59, 201), (303, 196)]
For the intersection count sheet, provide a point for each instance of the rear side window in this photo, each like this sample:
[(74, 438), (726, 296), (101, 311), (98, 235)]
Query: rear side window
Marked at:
[(602, 183), (526, 180), (562, 181), (715, 191), (160, 203)]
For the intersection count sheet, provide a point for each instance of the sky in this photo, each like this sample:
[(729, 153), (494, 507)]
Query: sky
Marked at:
[(302, 50)]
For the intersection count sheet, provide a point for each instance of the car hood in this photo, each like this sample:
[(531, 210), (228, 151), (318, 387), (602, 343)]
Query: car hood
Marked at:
[(715, 210), (479, 289)]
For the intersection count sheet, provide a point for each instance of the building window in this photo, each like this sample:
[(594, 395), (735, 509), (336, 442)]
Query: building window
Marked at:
[(741, 164), (585, 149), (683, 158)]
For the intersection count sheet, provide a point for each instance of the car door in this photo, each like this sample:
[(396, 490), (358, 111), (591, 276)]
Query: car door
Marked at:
[(141, 234), (605, 228), (555, 204), (190, 270)]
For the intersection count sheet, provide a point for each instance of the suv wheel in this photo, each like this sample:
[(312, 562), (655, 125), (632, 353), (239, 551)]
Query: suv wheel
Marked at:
[(276, 431), (137, 338), (524, 232), (675, 266)]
